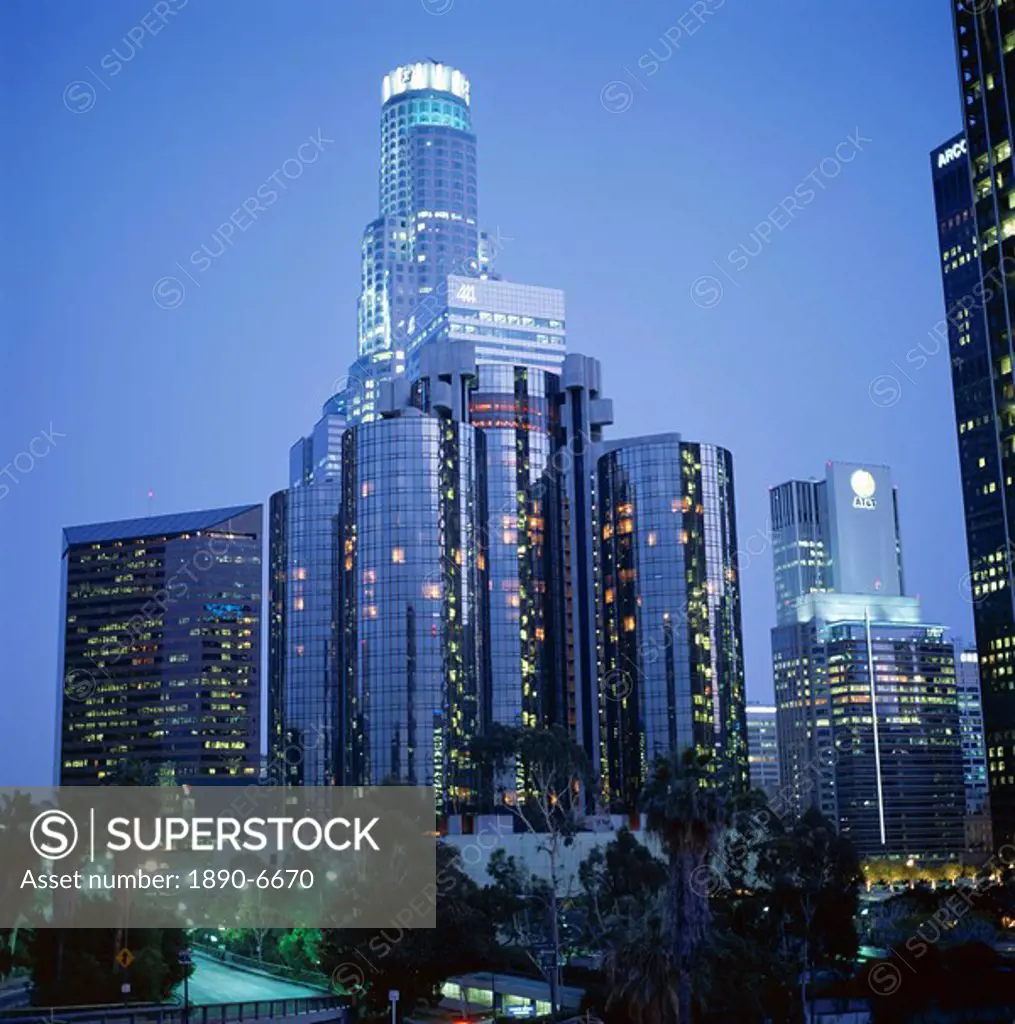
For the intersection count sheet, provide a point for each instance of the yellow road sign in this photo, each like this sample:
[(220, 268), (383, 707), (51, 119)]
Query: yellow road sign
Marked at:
[(125, 958)]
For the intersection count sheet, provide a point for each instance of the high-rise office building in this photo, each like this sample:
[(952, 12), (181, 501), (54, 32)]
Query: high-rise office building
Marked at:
[(819, 543), (427, 228), (513, 336), (160, 647), (413, 588), (867, 708), (509, 324), (977, 234), (763, 749), (570, 635), (672, 638), (303, 691), (453, 488), (974, 759)]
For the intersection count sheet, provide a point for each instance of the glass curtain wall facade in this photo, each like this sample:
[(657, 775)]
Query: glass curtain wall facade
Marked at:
[(303, 683), (512, 406), (799, 550), (671, 610), (869, 726), (160, 647), (571, 638), (427, 228), (985, 44), (899, 783), (303, 626), (413, 588), (763, 749), (974, 757)]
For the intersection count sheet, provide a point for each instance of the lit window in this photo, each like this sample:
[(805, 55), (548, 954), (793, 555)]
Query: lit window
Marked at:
[(366, 489), (297, 604), (398, 556), (652, 539), (629, 624)]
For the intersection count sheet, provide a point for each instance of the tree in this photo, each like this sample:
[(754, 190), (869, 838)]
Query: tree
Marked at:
[(812, 877), (640, 964), (298, 948), (544, 779), (17, 812), (687, 811), (621, 880), (366, 964), (73, 966)]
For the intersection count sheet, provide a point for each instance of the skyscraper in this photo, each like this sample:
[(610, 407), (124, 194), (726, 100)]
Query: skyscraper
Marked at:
[(983, 242), (974, 760), (413, 594), (303, 702), (570, 636), (673, 647), (514, 336), (160, 647), (819, 543), (427, 228), (867, 709), (763, 749)]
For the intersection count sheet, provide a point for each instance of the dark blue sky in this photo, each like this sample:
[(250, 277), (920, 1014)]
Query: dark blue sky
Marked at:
[(624, 209)]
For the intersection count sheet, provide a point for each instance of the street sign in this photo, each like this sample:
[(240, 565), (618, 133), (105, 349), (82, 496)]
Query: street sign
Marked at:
[(125, 958), (185, 958), (125, 988), (394, 995)]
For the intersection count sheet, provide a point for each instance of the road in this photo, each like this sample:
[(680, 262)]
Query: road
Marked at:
[(216, 982)]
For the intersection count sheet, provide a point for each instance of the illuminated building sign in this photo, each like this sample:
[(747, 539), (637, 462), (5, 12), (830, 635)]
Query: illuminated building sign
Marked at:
[(864, 487), (953, 152), (418, 76)]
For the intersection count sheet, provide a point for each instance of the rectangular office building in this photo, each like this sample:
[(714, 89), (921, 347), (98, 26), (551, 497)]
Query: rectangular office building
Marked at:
[(160, 649)]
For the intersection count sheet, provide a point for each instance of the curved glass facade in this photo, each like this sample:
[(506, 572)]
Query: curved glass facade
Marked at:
[(511, 405), (412, 588), (303, 687), (670, 604), (427, 228)]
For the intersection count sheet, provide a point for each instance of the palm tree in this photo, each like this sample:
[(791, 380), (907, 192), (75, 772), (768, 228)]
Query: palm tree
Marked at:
[(640, 967), (687, 811)]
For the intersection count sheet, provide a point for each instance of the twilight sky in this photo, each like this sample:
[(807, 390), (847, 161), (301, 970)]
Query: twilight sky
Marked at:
[(625, 150)]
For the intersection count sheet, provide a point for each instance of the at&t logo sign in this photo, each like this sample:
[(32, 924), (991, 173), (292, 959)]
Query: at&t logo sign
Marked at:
[(864, 487)]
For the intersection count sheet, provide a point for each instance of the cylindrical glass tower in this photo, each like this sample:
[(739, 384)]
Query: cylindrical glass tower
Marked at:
[(413, 583), (670, 605)]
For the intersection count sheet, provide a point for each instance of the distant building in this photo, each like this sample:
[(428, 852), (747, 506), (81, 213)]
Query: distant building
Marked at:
[(974, 756), (763, 748), (867, 706), (160, 648)]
